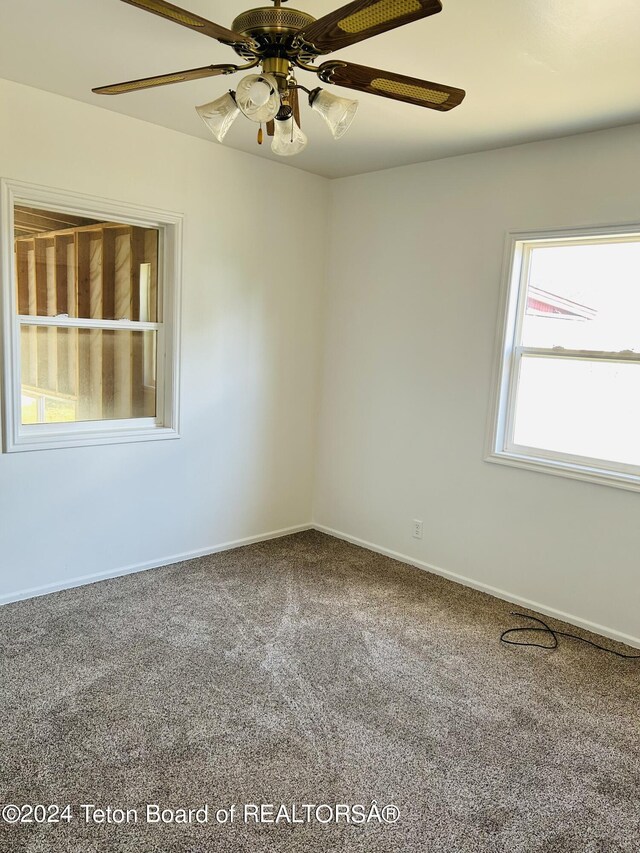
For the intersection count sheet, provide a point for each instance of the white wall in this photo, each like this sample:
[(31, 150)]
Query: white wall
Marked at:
[(411, 323), (250, 353), (411, 305)]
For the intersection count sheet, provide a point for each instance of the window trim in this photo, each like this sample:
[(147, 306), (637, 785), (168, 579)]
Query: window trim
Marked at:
[(508, 355), (22, 437)]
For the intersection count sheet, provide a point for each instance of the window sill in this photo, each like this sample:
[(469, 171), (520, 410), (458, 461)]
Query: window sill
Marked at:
[(53, 440), (566, 468)]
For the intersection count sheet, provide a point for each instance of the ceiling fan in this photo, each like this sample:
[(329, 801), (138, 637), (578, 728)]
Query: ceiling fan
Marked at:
[(281, 40)]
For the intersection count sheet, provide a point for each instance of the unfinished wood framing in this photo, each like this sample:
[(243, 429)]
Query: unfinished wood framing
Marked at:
[(95, 271)]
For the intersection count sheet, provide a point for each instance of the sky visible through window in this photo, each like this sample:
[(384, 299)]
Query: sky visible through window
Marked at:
[(582, 297), (599, 284)]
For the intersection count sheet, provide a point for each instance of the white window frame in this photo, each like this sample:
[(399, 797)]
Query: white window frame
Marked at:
[(500, 447), (22, 437)]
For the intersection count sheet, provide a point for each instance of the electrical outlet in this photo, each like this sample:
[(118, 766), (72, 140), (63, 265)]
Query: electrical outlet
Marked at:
[(417, 529)]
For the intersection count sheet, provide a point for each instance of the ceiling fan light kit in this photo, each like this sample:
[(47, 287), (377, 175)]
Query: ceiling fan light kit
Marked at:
[(258, 97), (288, 139), (337, 112), (281, 40), (219, 115)]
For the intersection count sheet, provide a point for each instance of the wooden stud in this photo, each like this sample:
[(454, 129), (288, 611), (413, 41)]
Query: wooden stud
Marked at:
[(108, 285), (32, 332), (95, 335), (62, 290), (137, 355), (22, 276), (41, 276), (82, 275), (122, 340), (52, 310), (151, 257)]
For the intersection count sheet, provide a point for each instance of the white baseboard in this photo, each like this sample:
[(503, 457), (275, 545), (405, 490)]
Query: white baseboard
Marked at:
[(34, 592), (602, 630)]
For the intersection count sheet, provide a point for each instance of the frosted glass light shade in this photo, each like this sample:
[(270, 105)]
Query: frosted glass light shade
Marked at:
[(260, 92), (258, 97), (288, 139), (219, 115), (337, 112)]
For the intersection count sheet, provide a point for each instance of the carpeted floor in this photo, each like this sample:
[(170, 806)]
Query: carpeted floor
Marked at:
[(310, 671)]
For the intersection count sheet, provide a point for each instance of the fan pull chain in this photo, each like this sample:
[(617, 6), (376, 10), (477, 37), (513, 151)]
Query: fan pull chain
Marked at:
[(260, 134)]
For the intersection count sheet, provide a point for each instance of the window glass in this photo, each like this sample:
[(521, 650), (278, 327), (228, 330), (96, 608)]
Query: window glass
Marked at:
[(584, 296), (71, 266), (70, 269), (86, 374), (579, 407)]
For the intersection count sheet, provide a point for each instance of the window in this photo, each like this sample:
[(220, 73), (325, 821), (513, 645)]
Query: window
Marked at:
[(568, 398), (90, 308)]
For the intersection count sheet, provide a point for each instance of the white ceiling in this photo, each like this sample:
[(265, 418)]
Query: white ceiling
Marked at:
[(532, 69)]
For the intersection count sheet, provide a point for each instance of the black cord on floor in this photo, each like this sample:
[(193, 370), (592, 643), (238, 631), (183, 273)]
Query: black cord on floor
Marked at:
[(554, 634)]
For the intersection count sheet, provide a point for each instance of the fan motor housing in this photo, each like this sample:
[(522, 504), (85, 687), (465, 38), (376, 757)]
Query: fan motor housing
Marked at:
[(273, 28)]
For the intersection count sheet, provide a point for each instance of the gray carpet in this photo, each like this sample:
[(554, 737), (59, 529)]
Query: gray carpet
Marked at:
[(310, 671)]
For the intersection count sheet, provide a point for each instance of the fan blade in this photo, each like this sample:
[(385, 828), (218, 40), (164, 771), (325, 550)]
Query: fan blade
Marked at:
[(191, 20), (435, 96), (165, 79), (361, 20)]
